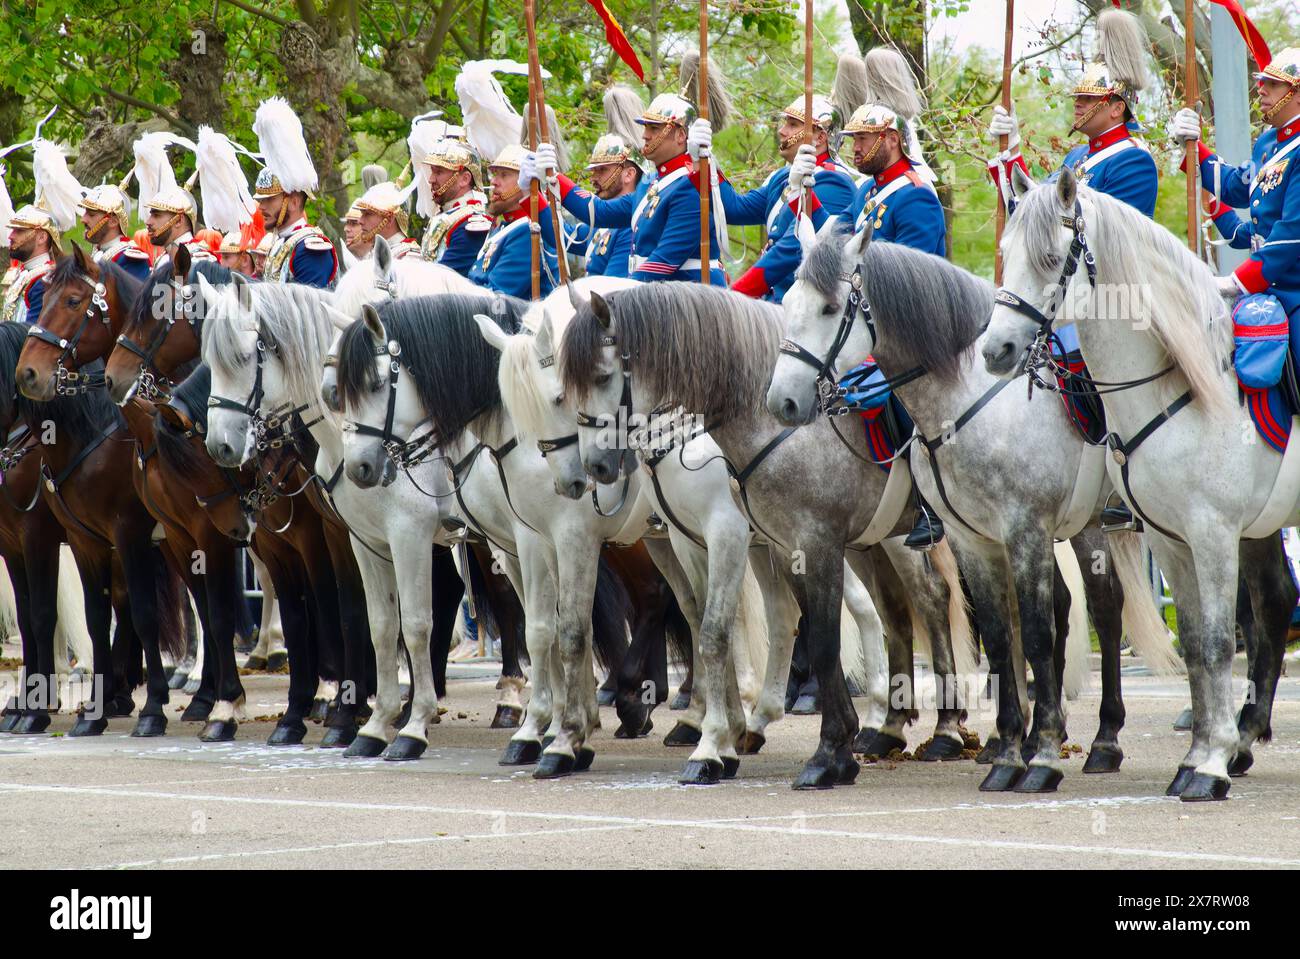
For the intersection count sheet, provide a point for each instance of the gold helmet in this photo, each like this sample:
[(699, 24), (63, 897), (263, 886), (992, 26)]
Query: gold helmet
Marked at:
[(1120, 69), (669, 108), (456, 155), (176, 200), (32, 217), (511, 158), (111, 200), (353, 214), (612, 148), (384, 198), (825, 117), (1285, 66), (877, 118), (233, 242), (267, 185)]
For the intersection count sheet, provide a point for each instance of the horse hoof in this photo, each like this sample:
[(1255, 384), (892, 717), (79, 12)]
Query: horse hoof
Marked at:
[(682, 735), (1039, 779), (33, 724), (88, 727), (1245, 759), (605, 697), (255, 662), (507, 717), (992, 749), (1001, 779), (815, 777), (864, 736), (337, 737), (701, 772), (586, 756), (805, 705), (750, 743), (277, 661), (178, 679), (1204, 788), (942, 748), (197, 711), (1103, 758), (554, 766), (882, 744), (624, 733), (218, 731), (319, 710), (1180, 780), (680, 701), (365, 747), (847, 774), (9, 721), (730, 766), (120, 708), (287, 734), (192, 685), (520, 752), (149, 726), (1184, 721), (404, 748)]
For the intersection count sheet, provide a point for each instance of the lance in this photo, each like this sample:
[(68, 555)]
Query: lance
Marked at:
[(1189, 101), (807, 91), (534, 190), (1003, 141), (702, 85), (539, 117)]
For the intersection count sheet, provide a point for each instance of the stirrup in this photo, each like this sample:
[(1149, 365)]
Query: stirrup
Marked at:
[(926, 534), (1115, 519)]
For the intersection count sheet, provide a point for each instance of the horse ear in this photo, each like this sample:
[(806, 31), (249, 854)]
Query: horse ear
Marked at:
[(370, 316), (383, 256), (490, 331), (340, 319), (175, 418), (545, 335), (575, 298), (1067, 188), (600, 307), (181, 263), (1021, 182), (79, 256), (859, 242), (207, 291)]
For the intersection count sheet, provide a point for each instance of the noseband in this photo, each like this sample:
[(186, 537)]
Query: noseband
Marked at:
[(73, 382), (150, 384), (584, 420), (830, 394)]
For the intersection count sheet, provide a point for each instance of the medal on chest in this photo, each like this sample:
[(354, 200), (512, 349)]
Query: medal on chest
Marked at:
[(651, 201), (602, 242), (1271, 179)]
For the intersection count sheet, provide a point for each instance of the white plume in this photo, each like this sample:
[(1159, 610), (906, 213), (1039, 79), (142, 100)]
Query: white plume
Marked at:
[(227, 204), (282, 145), (425, 132), (6, 204), (491, 122), (1123, 46), (623, 106), (553, 131), (57, 190), (849, 90), (890, 81), (153, 169)]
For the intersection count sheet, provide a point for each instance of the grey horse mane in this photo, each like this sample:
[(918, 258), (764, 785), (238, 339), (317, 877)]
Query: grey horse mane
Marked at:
[(707, 350), (928, 312)]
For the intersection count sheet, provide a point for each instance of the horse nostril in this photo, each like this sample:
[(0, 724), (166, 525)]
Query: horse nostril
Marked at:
[(789, 409)]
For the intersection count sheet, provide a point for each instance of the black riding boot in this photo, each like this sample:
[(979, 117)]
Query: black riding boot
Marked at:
[(928, 529)]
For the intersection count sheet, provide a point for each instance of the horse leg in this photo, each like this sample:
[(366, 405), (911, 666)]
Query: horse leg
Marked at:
[(208, 662), (446, 591), (225, 594), (533, 582), (39, 683), (1273, 591), (413, 569), (142, 570), (1035, 573), (284, 569), (782, 611), (686, 732), (1061, 603), (576, 588), (357, 678), (800, 676), (883, 582), (1105, 607), (94, 565), (871, 637), (381, 597), (495, 591)]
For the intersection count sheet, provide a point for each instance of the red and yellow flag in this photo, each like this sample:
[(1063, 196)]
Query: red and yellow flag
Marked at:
[(617, 39)]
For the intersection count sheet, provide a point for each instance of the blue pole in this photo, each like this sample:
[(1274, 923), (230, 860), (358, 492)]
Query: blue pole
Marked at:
[(1231, 91)]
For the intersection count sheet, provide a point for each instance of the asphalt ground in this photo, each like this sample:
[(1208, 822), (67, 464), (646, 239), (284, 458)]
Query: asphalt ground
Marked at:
[(114, 802)]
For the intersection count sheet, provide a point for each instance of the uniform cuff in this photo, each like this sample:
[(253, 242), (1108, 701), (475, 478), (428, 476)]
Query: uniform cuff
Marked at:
[(753, 283), (565, 185), (1250, 276), (814, 204)]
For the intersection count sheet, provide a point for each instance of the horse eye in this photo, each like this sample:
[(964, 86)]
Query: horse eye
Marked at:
[(828, 309), (559, 399), (602, 379)]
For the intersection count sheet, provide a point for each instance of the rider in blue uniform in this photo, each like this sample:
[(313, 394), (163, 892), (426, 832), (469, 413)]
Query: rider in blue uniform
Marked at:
[(615, 172), (104, 217), (505, 261), (775, 202), (33, 241), (457, 230), (664, 218)]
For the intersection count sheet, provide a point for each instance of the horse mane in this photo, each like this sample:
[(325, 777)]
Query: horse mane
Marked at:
[(78, 418), (1179, 297), (928, 312), (189, 460), (707, 350), (454, 369), (414, 278), (292, 320)]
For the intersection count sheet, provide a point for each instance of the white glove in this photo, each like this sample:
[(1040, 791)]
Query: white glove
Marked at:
[(1228, 288), (546, 159), (699, 139), (1005, 124), (1185, 126), (528, 171), (802, 169)]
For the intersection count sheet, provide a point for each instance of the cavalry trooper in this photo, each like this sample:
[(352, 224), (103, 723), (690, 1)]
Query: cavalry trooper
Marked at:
[(460, 223), (104, 217), (236, 254), (665, 217), (775, 203), (505, 262), (300, 253), (1267, 185), (352, 232), (33, 242), (381, 214), (172, 214), (615, 170)]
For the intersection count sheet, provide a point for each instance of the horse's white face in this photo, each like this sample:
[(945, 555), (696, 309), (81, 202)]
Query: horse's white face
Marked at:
[(329, 380), (365, 460), (600, 446), (1032, 276), (231, 441), (812, 320)]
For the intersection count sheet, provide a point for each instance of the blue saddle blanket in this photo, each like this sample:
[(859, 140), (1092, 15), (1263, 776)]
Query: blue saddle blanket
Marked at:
[(1264, 337), (870, 393)]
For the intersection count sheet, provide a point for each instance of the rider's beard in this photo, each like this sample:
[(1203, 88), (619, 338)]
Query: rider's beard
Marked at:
[(24, 252)]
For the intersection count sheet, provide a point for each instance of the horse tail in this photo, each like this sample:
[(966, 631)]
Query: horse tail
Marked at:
[(964, 657), (169, 593), (677, 633), (1078, 643), (851, 661), (854, 641), (611, 611), (749, 640), (1145, 627), (8, 604), (70, 631)]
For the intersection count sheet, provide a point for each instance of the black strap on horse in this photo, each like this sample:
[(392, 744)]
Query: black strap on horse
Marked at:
[(741, 476), (1122, 453), (73, 382), (460, 474), (20, 444), (403, 454), (499, 454), (669, 516), (54, 484)]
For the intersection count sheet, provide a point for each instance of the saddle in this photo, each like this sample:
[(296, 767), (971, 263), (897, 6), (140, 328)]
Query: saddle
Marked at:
[(1082, 402)]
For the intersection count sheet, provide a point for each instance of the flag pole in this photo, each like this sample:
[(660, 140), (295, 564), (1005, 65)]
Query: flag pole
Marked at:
[(540, 119), (1190, 96), (1003, 141), (809, 134), (534, 189), (702, 84)]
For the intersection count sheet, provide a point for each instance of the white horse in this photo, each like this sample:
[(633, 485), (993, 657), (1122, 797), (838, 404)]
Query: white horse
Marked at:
[(1155, 332)]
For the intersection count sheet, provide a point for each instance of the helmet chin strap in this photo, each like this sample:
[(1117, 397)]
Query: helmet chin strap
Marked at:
[(156, 236), (441, 191), (871, 154), (283, 212), (653, 145), (95, 230), (1270, 114), (1078, 124), (602, 185), (508, 197)]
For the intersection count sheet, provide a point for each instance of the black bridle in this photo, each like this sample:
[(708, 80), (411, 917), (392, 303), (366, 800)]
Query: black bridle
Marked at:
[(404, 454), (271, 428), (150, 383), (594, 422), (71, 382)]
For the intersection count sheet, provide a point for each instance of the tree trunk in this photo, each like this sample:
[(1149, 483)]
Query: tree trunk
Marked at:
[(198, 72)]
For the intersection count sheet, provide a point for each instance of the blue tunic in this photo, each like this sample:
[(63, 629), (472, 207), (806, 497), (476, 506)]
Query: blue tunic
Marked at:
[(505, 262)]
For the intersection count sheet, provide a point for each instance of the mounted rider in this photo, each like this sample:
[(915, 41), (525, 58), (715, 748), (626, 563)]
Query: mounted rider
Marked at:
[(106, 219), (459, 222), (33, 242), (301, 253), (1267, 185), (382, 213), (505, 261)]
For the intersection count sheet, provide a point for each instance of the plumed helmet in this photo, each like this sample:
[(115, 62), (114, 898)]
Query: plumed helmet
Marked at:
[(384, 198), (108, 199), (669, 108), (32, 217)]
